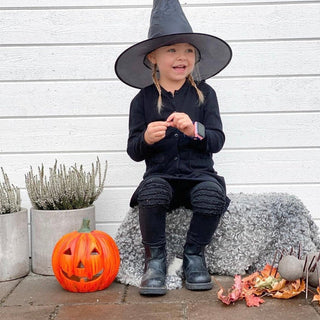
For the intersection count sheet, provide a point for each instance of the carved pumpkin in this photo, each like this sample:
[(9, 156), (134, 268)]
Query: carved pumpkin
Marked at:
[(85, 261)]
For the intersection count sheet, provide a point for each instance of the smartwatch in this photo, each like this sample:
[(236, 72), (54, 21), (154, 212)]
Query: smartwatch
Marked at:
[(199, 131)]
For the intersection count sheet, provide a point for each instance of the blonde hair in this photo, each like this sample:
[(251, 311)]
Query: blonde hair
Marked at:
[(199, 92), (157, 84)]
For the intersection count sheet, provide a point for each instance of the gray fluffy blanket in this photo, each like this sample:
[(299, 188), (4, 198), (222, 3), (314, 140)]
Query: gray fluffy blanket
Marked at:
[(250, 232)]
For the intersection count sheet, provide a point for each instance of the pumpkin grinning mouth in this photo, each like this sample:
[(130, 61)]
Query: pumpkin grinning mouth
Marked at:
[(82, 279)]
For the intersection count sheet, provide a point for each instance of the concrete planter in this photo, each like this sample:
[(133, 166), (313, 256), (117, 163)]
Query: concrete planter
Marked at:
[(47, 227), (14, 245)]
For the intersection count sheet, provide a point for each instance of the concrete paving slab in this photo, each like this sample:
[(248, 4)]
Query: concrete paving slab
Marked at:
[(40, 290), (180, 295), (26, 312), (41, 297), (205, 304), (154, 311), (316, 306), (272, 309), (6, 287)]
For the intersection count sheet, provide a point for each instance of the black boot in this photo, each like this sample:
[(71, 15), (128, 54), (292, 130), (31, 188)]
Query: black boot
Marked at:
[(152, 226), (195, 269), (155, 270), (202, 228)]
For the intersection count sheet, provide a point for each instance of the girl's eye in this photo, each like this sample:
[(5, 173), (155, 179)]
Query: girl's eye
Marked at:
[(171, 50), (190, 50)]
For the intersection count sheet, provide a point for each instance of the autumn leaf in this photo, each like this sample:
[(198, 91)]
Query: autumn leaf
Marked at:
[(267, 281), (278, 285), (316, 297), (291, 289), (250, 280), (253, 301), (268, 270), (234, 294), (225, 299)]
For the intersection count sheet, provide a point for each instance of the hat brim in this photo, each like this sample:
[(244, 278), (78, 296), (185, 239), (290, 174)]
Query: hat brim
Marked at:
[(215, 55)]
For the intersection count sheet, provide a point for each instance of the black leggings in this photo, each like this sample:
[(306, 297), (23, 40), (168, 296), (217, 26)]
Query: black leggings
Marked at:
[(207, 199)]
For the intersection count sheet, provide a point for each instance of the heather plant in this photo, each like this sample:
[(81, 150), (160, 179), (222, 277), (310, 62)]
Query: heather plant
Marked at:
[(10, 200), (65, 189)]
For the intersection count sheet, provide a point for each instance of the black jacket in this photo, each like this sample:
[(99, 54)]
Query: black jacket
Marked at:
[(177, 156)]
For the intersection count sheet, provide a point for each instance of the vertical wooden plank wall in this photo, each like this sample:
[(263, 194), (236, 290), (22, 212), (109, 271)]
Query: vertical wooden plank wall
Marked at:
[(60, 98)]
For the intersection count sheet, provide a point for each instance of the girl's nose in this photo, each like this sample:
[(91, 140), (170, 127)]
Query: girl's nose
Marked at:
[(181, 55)]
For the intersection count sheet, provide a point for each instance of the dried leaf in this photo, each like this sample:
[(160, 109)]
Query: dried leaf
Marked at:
[(253, 301), (234, 294), (267, 283), (278, 285), (291, 289), (225, 299), (316, 297), (249, 280)]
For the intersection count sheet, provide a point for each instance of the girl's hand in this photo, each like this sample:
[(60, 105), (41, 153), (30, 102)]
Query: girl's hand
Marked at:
[(182, 122), (156, 131)]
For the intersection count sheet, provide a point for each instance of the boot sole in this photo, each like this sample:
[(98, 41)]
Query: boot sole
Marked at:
[(199, 286), (153, 291)]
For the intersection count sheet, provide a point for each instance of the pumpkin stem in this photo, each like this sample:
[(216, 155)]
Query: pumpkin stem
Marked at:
[(85, 228)]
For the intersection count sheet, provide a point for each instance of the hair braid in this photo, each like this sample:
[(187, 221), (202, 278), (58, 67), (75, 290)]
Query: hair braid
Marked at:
[(199, 92), (157, 84)]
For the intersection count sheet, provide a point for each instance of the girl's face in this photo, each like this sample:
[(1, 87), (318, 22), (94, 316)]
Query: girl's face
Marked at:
[(175, 63)]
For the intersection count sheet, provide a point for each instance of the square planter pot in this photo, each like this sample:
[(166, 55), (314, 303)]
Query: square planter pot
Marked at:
[(14, 245), (47, 227)]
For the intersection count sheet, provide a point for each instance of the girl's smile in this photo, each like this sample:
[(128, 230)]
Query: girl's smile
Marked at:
[(180, 68)]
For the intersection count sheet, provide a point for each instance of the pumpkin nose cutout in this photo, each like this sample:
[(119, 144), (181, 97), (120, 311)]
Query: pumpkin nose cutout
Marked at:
[(94, 252), (80, 265)]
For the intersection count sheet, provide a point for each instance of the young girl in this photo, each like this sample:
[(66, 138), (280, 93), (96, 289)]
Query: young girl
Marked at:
[(175, 127)]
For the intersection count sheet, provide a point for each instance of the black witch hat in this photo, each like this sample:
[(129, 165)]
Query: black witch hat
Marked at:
[(169, 25)]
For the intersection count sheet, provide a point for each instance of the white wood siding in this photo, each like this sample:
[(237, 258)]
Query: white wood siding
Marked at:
[(60, 98)]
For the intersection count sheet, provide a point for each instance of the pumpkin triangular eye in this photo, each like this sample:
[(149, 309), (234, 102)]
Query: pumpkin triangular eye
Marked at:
[(68, 252), (94, 252), (80, 265)]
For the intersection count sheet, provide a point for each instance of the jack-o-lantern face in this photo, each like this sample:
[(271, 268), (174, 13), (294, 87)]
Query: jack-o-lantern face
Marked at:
[(80, 272), (85, 261)]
